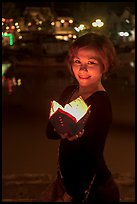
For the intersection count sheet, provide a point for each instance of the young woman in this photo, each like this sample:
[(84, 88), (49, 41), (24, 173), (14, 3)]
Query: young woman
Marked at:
[(81, 160)]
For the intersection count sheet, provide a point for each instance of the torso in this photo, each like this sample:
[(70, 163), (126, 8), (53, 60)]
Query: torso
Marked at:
[(85, 94)]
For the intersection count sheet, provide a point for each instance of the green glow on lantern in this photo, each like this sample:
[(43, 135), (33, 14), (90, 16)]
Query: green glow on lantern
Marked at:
[(10, 36)]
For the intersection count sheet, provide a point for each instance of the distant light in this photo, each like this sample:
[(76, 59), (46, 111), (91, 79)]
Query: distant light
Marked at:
[(121, 33), (70, 21), (16, 24), (10, 37), (29, 24), (100, 24), (18, 30), (7, 28), (2, 23), (65, 38), (70, 35), (62, 21), (5, 68), (94, 24), (3, 19), (52, 23), (12, 27), (127, 21), (20, 37), (39, 28), (132, 64), (74, 36), (40, 22), (126, 34), (97, 23), (77, 29), (81, 27), (19, 82), (14, 81)]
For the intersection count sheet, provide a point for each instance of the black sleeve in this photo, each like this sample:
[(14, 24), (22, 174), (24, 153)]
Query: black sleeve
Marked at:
[(97, 128)]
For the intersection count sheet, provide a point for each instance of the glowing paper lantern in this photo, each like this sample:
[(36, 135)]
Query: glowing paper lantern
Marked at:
[(71, 118)]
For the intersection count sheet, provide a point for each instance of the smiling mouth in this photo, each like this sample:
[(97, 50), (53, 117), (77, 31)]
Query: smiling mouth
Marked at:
[(84, 77)]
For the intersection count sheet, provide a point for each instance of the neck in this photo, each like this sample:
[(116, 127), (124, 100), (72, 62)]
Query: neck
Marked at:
[(89, 89)]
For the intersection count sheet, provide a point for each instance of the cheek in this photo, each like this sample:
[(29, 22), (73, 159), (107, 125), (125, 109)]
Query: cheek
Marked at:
[(75, 72)]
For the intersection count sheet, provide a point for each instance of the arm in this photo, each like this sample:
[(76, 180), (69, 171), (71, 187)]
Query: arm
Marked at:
[(97, 128), (94, 137), (51, 134)]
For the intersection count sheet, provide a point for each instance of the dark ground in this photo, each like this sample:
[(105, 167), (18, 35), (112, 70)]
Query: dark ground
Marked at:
[(29, 158)]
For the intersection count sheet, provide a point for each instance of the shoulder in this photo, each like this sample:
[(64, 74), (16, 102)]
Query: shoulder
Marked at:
[(100, 102), (99, 97)]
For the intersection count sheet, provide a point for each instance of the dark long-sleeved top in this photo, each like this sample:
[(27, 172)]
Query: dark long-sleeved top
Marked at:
[(80, 159)]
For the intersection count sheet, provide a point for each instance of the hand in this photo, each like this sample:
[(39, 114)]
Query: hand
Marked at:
[(78, 135), (62, 135), (71, 137)]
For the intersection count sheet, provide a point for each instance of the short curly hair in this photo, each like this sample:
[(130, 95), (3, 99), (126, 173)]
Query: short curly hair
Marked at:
[(97, 42)]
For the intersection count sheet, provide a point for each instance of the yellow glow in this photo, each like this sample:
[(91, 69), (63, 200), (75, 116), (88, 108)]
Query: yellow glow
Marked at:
[(97, 23), (98, 20), (60, 37), (94, 24), (12, 27), (74, 36), (70, 35), (19, 82), (52, 23), (7, 28), (39, 28), (62, 21), (81, 27), (20, 37), (70, 21), (16, 24), (18, 30), (65, 38), (76, 108), (29, 24)]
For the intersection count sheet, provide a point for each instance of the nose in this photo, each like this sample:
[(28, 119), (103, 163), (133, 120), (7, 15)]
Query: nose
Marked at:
[(83, 67)]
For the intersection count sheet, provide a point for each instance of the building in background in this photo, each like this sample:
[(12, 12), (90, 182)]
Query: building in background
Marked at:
[(63, 24)]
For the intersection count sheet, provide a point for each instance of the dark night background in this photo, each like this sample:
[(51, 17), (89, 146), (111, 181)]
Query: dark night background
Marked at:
[(28, 158)]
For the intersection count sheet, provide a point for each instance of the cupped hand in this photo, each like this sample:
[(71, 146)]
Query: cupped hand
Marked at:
[(71, 137), (78, 135)]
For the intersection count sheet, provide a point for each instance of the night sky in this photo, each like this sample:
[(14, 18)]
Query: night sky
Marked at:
[(73, 6)]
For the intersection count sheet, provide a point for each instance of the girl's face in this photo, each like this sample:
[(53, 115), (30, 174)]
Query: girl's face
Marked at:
[(87, 67)]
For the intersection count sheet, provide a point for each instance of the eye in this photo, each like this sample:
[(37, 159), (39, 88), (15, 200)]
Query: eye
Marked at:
[(77, 61), (92, 62)]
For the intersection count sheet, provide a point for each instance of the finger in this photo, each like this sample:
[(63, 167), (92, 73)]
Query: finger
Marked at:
[(80, 133), (63, 136), (72, 138)]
